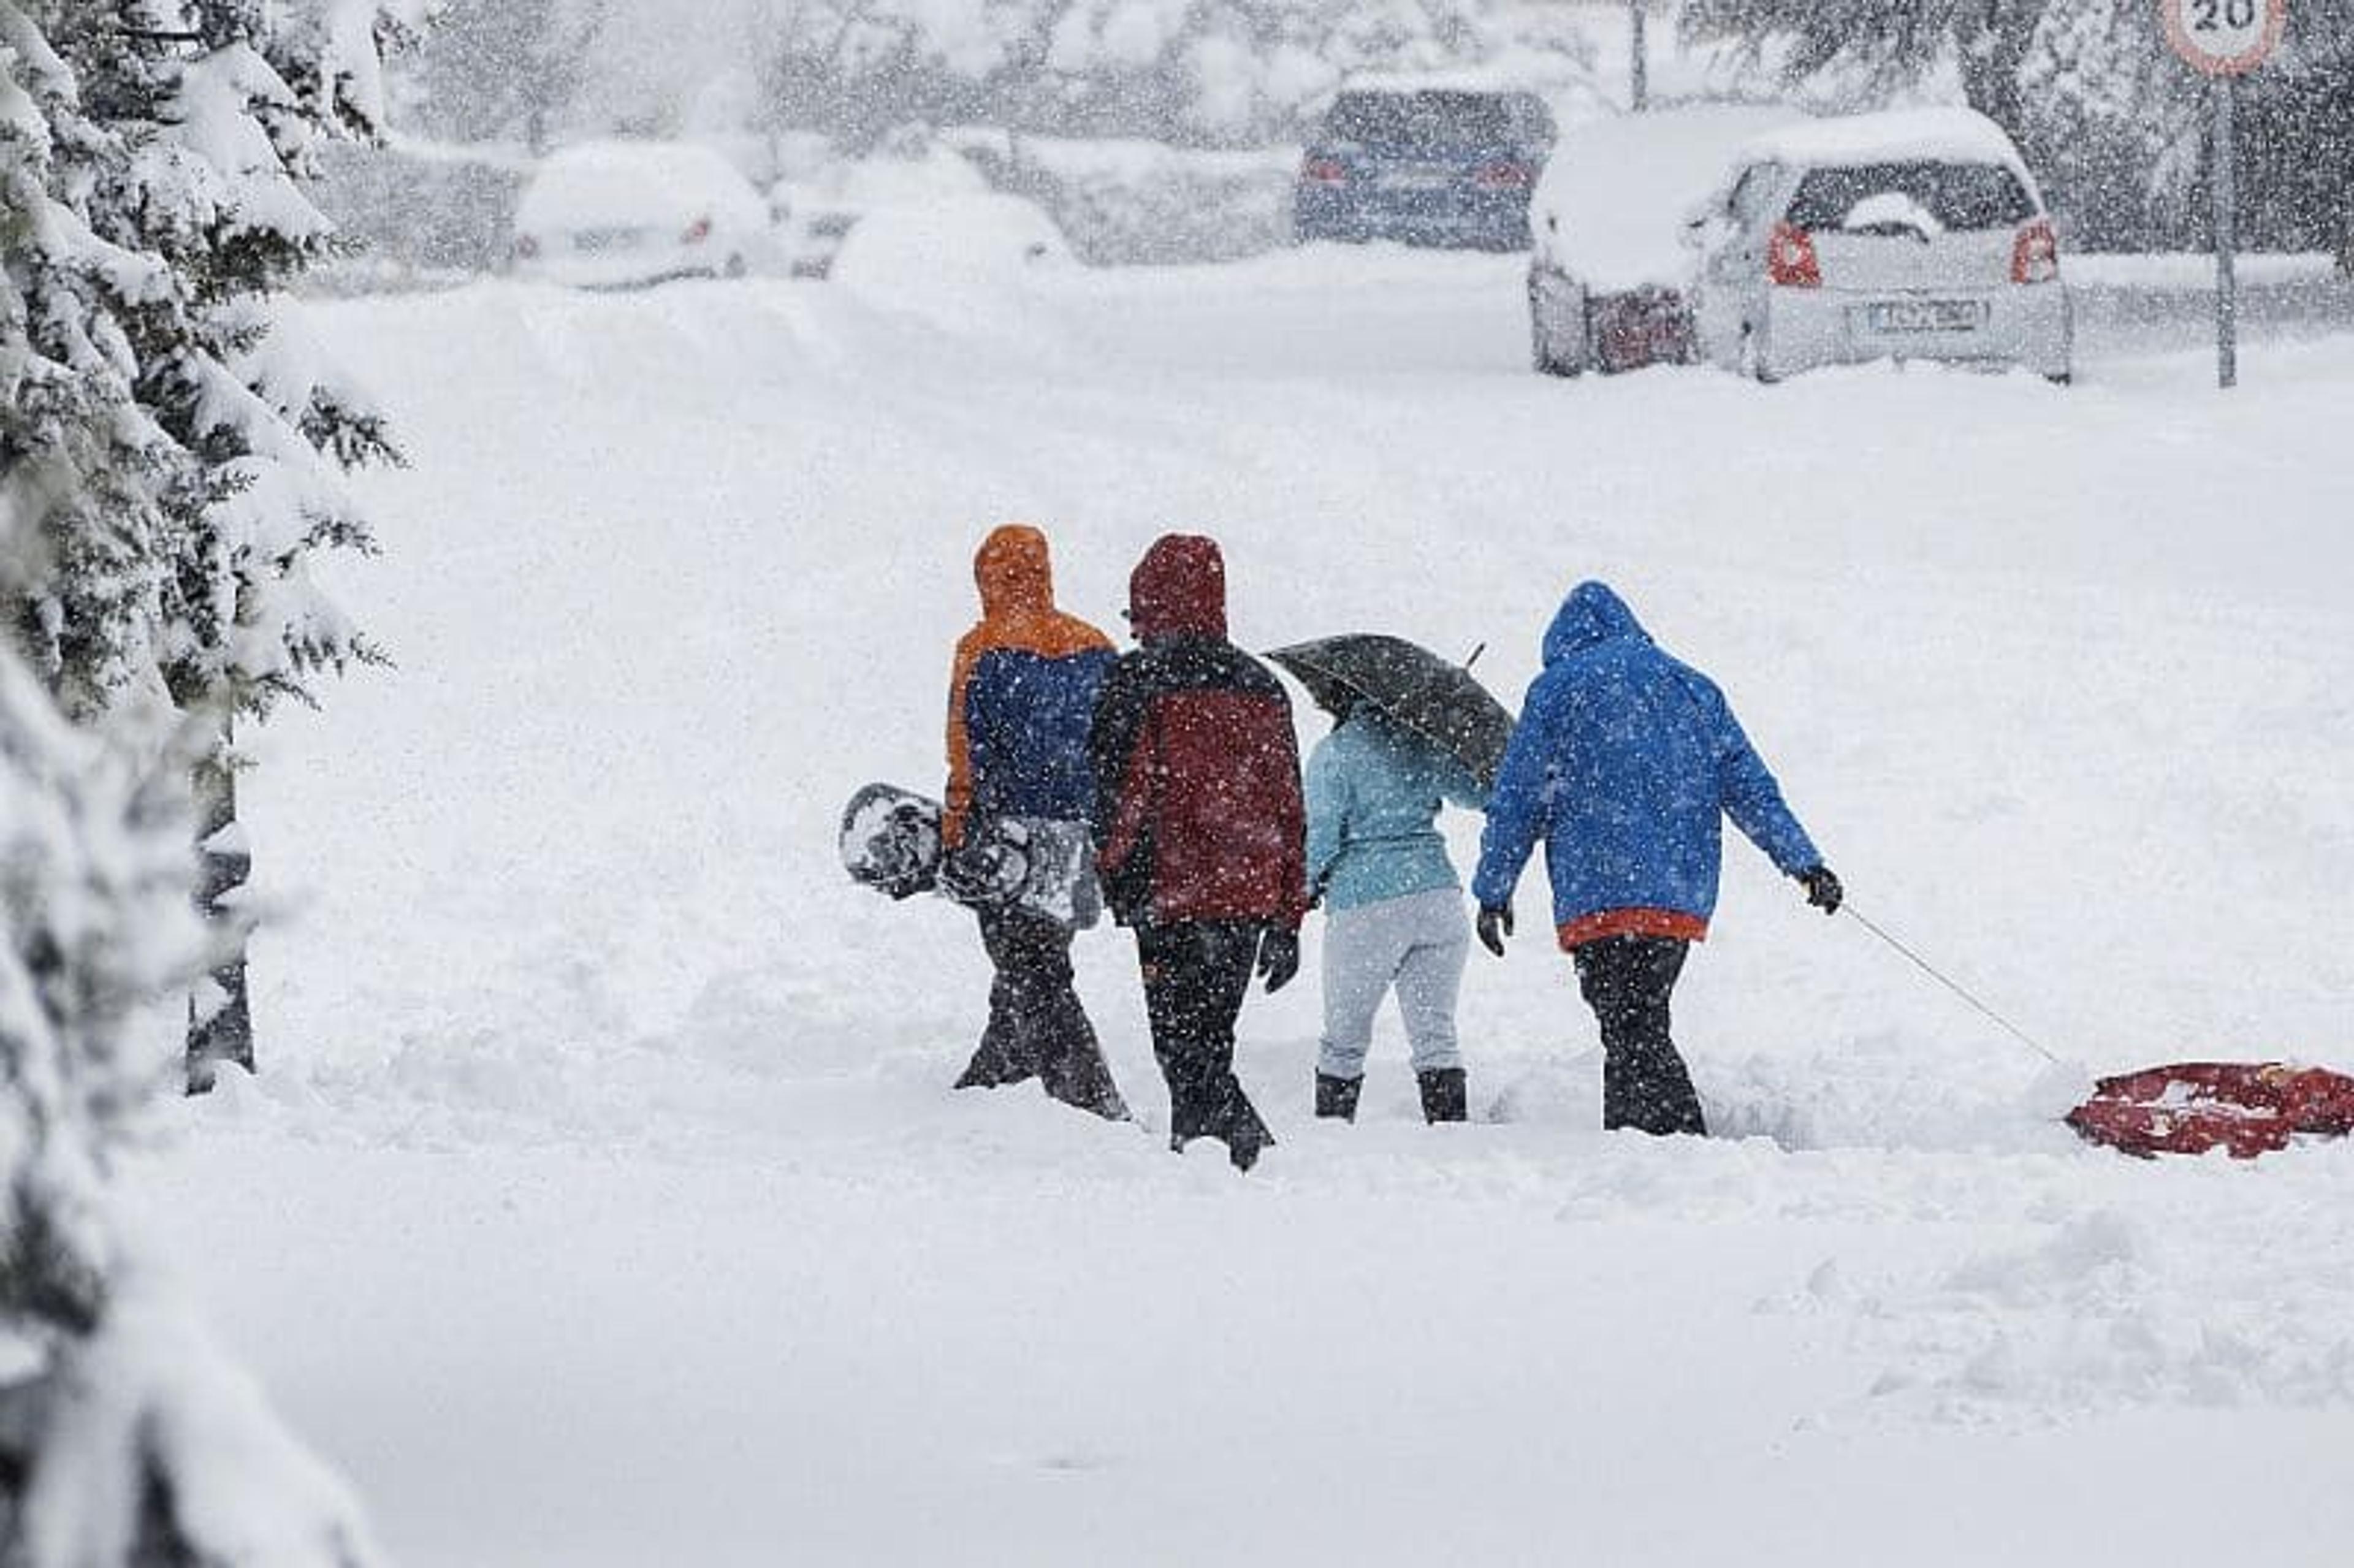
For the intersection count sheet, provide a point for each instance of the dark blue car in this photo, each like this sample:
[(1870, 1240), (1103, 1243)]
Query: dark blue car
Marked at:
[(1425, 165)]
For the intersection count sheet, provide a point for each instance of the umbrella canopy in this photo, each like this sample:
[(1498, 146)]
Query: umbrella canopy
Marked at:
[(1435, 697)]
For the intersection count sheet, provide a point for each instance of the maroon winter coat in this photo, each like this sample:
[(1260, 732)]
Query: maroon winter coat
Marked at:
[(1198, 812)]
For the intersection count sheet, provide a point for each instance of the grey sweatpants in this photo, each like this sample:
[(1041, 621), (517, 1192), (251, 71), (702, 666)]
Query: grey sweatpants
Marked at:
[(1417, 943)]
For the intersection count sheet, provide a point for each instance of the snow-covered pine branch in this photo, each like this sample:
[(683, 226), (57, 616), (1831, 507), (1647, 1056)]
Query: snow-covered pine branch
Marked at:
[(207, 114)]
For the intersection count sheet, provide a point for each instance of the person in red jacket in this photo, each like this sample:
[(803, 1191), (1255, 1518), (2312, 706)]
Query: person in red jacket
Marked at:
[(1200, 832), (1022, 697)]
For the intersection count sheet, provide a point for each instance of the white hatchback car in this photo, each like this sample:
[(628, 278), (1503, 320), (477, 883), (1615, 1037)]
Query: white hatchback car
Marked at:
[(1911, 235), (627, 214)]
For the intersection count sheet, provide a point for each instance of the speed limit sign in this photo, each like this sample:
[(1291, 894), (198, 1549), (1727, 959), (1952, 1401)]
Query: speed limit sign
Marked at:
[(2224, 37)]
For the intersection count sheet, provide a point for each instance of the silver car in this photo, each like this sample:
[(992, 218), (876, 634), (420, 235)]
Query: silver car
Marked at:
[(1915, 235)]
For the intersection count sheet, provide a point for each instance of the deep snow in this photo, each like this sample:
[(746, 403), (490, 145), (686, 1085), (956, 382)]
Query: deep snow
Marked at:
[(603, 1202)]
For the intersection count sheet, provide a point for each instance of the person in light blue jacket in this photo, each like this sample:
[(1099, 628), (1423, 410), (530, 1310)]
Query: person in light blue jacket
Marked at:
[(1394, 907)]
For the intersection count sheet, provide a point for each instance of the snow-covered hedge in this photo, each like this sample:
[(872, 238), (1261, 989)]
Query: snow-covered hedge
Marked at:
[(1126, 202), (421, 215), (418, 215)]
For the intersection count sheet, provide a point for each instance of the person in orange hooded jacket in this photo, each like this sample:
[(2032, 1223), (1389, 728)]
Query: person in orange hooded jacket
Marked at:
[(1021, 697)]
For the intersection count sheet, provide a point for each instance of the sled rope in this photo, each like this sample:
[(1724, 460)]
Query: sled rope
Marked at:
[(1926, 968)]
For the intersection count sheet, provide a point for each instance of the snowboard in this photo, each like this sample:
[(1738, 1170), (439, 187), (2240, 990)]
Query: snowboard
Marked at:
[(892, 842)]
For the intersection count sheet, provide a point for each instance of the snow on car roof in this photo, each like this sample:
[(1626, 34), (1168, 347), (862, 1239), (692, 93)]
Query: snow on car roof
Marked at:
[(1611, 208), (609, 181), (1946, 135)]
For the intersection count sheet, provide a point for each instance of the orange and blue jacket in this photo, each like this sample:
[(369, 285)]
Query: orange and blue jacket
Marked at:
[(1022, 694)]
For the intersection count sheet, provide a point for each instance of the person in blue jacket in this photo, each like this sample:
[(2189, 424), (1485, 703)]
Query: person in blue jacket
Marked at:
[(1394, 905), (1624, 762)]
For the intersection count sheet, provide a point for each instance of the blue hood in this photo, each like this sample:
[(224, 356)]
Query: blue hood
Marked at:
[(1591, 616), (1623, 764)]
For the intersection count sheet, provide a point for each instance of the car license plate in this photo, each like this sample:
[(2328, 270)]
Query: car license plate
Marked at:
[(594, 241), (1419, 177), (1898, 316)]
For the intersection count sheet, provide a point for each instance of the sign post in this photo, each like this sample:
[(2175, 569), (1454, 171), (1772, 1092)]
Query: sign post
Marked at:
[(2224, 40), (1638, 68), (2227, 241)]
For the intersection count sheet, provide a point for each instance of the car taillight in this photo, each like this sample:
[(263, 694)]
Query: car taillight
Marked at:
[(1790, 260), (1503, 175), (2035, 254), (698, 231), (527, 247), (1324, 172)]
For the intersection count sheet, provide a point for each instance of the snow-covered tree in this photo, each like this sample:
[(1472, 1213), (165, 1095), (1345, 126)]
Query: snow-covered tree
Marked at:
[(504, 70), (1213, 71), (195, 125), (125, 1436), (1987, 43)]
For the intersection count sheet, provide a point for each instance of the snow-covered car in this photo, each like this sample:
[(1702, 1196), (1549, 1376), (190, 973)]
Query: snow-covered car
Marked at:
[(826, 197), (624, 213), (1918, 234), (811, 227), (950, 251), (1609, 271)]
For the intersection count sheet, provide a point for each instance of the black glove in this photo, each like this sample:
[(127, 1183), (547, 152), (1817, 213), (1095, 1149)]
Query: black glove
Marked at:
[(1278, 956), (1823, 889), (969, 874), (1495, 925)]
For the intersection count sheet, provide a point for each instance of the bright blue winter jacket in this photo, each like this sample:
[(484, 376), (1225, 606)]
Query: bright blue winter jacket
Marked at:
[(1374, 794), (1624, 762)]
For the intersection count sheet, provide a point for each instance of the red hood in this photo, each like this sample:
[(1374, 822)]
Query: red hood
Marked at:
[(1179, 589)]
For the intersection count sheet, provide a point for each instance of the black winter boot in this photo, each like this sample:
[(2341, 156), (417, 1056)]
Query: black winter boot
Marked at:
[(1444, 1093), (1336, 1096)]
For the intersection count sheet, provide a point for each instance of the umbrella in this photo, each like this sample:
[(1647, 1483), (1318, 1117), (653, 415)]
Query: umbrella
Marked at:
[(1435, 697)]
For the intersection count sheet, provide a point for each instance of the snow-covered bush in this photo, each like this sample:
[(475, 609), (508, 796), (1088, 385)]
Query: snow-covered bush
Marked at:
[(417, 215)]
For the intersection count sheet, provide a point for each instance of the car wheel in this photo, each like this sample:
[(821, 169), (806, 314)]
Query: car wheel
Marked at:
[(1544, 353), (734, 268)]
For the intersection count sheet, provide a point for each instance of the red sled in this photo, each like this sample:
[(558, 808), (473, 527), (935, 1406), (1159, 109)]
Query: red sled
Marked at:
[(2246, 1109)]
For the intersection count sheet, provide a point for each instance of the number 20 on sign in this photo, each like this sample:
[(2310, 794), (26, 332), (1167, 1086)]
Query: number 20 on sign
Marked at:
[(2224, 37)]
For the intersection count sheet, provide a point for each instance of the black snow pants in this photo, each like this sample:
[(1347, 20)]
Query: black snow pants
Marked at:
[(1626, 982), (1036, 1027), (1195, 975)]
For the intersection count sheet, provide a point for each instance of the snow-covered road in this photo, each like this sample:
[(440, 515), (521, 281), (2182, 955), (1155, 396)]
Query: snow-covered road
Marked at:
[(602, 1202)]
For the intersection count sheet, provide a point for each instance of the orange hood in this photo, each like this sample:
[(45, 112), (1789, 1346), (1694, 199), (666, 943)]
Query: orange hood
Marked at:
[(1015, 574)]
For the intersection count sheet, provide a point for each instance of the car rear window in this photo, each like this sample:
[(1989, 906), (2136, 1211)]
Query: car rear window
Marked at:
[(1958, 195), (1438, 118)]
